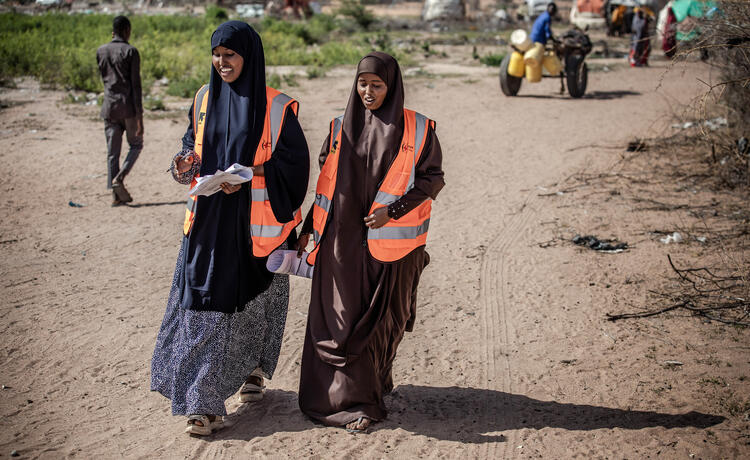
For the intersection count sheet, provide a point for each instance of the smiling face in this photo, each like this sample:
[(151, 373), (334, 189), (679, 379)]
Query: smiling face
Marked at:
[(227, 63), (372, 90)]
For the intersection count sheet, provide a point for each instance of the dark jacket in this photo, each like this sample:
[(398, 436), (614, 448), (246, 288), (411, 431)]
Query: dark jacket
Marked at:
[(120, 67)]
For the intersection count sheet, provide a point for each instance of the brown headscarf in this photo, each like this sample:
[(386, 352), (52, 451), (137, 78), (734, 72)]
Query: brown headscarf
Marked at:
[(374, 136)]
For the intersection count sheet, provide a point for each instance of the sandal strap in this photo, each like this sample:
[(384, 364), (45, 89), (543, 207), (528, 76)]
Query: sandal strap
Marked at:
[(251, 388), (199, 418)]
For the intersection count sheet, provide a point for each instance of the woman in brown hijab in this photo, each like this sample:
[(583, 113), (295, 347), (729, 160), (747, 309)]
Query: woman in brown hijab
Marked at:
[(360, 306)]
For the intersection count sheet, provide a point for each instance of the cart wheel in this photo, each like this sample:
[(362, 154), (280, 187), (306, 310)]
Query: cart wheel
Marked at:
[(576, 74), (508, 83)]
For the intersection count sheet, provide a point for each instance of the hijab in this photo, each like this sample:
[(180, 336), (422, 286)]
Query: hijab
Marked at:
[(376, 132), (220, 273), (371, 139), (235, 122)]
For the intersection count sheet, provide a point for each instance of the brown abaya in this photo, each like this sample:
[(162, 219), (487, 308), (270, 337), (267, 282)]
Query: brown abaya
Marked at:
[(360, 307)]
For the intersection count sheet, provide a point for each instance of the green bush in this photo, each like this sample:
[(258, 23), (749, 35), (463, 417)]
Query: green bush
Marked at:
[(273, 80), (78, 72), (153, 103), (60, 49), (356, 10), (291, 80), (339, 53), (216, 15), (186, 87), (315, 30), (492, 60), (316, 71)]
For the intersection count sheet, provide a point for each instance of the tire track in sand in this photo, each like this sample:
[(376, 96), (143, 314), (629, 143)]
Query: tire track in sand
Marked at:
[(496, 333)]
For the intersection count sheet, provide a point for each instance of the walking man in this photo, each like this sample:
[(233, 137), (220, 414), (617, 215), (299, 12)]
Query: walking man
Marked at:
[(122, 109)]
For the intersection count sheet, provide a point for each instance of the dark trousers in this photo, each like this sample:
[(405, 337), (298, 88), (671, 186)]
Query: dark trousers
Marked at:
[(113, 130)]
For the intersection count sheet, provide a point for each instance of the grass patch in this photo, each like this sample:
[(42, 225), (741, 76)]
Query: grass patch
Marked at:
[(315, 71), (186, 87), (153, 103), (291, 80), (492, 60), (60, 49), (355, 9)]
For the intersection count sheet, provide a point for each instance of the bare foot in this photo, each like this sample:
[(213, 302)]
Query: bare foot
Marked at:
[(359, 425)]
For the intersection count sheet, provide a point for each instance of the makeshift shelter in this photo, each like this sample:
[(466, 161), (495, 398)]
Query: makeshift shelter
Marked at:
[(687, 13), (588, 13), (590, 6)]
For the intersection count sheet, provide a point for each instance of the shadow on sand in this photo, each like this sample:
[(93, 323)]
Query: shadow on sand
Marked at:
[(599, 95), (157, 203), (459, 414)]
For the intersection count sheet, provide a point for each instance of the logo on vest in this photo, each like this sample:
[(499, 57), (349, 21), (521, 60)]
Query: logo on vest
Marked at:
[(407, 147), (201, 117), (265, 145)]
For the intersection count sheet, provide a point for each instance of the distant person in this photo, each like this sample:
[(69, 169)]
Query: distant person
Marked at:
[(225, 315), (299, 9), (122, 109), (540, 34), (669, 40), (641, 40), (540, 31), (381, 167)]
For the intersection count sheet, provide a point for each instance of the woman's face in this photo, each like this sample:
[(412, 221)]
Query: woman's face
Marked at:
[(372, 90), (227, 63)]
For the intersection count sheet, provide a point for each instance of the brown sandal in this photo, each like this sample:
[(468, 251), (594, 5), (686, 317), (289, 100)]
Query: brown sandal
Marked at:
[(253, 389)]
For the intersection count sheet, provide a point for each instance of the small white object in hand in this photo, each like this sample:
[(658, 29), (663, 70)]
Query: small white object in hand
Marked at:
[(234, 175)]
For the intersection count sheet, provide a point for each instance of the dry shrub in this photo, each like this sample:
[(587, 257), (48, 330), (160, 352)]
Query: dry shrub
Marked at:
[(725, 39)]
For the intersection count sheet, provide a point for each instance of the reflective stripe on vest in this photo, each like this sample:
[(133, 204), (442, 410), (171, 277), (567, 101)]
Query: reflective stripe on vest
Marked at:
[(397, 238), (325, 187), (266, 232), (200, 105), (398, 233)]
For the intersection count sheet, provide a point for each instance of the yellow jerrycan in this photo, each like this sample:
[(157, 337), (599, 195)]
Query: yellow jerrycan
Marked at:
[(515, 65), (551, 63)]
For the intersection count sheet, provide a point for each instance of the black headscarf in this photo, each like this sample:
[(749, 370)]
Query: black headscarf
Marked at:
[(220, 272), (236, 111)]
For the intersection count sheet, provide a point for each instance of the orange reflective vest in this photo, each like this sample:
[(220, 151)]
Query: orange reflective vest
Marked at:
[(397, 238), (266, 232)]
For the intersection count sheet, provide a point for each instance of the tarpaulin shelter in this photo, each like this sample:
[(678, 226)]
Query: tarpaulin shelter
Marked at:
[(590, 6), (690, 8), (687, 12)]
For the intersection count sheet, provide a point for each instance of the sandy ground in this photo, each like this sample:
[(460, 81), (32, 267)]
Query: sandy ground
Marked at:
[(511, 356)]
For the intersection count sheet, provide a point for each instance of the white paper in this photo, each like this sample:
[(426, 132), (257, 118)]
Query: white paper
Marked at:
[(208, 185), (286, 261)]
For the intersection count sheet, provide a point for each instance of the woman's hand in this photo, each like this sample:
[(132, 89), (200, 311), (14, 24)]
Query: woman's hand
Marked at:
[(185, 162), (302, 241), (229, 188), (378, 218), (257, 170)]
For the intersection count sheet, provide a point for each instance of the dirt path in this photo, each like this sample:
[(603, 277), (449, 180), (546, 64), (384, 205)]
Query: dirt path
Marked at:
[(510, 356)]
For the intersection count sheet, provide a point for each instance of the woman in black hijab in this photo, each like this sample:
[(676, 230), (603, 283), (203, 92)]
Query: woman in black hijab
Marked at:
[(360, 307), (226, 312)]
